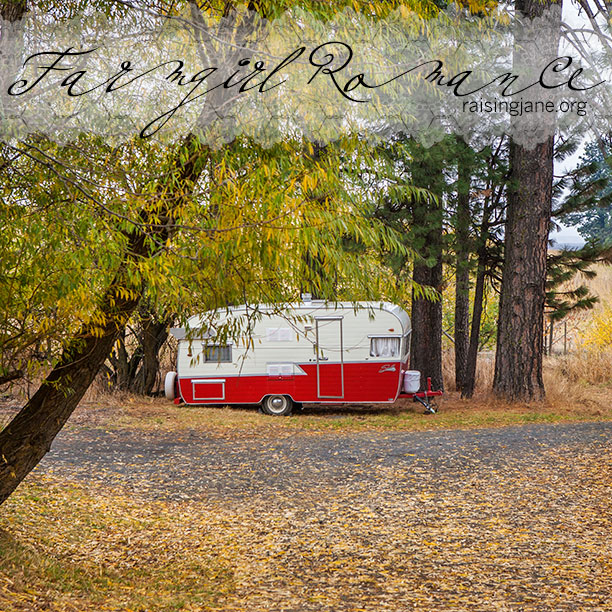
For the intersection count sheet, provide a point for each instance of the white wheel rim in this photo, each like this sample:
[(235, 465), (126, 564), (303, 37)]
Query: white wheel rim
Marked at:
[(277, 403)]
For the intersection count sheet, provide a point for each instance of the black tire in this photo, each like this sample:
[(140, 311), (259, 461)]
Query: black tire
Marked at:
[(277, 405)]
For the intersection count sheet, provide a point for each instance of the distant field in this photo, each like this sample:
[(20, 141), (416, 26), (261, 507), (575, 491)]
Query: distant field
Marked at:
[(579, 324)]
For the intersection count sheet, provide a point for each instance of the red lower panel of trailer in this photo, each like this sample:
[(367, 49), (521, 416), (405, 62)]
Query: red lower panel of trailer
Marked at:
[(368, 382)]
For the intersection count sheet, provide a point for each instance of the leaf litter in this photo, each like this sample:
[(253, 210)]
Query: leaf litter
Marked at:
[(513, 530)]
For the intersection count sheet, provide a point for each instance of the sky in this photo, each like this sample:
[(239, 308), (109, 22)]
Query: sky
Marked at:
[(569, 236)]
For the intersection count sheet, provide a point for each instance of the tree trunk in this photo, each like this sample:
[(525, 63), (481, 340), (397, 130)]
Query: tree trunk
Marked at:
[(119, 359), (138, 372), (426, 346), (427, 217), (28, 437), (154, 334), (469, 382), (518, 360), (13, 10), (462, 270)]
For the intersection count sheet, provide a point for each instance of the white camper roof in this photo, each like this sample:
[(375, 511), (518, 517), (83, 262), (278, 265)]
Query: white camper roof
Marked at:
[(307, 308)]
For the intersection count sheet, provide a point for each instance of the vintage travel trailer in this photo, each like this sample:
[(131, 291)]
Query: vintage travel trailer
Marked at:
[(311, 352)]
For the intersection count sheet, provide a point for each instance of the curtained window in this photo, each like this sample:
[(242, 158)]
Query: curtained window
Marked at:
[(218, 353), (384, 347)]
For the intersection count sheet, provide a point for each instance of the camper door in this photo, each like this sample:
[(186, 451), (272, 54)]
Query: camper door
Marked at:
[(330, 358)]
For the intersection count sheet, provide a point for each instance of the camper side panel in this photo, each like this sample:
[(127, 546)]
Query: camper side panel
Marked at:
[(355, 360)]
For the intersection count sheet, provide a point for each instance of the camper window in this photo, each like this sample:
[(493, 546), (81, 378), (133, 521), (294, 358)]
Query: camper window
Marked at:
[(384, 347), (405, 345), (218, 353)]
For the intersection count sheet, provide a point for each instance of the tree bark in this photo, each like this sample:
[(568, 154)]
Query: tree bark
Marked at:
[(154, 334), (469, 382), (13, 10), (120, 362), (138, 372), (462, 269), (518, 360), (28, 437), (426, 345), (427, 219)]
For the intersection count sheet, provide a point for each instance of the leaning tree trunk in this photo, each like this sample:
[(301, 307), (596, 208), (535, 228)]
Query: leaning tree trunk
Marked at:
[(28, 437), (518, 361)]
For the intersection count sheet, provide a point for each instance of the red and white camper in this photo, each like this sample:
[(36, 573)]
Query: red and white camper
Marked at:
[(311, 352)]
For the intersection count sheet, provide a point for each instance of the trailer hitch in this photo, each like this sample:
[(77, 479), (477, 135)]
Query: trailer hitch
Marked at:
[(425, 401), (425, 398)]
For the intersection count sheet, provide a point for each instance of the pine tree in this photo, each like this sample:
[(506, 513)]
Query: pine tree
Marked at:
[(589, 204), (518, 359)]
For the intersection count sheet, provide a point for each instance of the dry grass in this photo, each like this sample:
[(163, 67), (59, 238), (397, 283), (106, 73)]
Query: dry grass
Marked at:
[(484, 370), (579, 322), (585, 368), (566, 402), (584, 375), (601, 285), (579, 387)]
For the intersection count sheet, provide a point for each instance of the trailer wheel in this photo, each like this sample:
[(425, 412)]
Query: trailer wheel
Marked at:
[(277, 405)]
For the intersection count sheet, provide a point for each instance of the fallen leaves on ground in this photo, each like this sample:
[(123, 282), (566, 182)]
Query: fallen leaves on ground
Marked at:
[(528, 536)]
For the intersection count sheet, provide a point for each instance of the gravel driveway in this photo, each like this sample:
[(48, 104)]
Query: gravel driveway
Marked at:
[(196, 465), (516, 519)]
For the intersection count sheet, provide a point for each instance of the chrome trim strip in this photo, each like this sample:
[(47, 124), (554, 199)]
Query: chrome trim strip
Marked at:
[(207, 381)]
